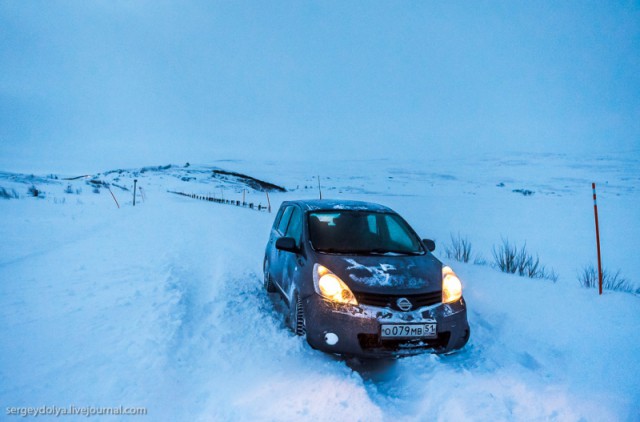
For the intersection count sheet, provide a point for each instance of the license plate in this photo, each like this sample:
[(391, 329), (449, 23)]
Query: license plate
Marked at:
[(424, 330)]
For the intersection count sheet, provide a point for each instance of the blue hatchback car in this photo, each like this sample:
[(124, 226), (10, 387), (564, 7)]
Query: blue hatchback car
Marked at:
[(358, 281)]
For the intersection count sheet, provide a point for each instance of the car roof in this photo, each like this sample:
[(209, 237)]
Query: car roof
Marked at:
[(338, 204)]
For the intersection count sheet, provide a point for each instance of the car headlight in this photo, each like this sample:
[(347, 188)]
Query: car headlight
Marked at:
[(329, 286), (451, 286)]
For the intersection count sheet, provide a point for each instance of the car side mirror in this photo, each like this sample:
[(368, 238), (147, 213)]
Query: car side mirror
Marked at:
[(430, 244), (287, 244)]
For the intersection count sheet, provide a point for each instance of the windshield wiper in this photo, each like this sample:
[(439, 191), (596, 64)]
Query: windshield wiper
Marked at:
[(380, 251), (375, 251), (339, 251)]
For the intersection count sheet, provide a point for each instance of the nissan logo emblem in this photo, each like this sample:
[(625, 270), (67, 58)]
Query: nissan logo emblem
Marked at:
[(404, 304)]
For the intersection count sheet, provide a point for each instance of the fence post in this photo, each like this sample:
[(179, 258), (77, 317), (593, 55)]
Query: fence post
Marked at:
[(113, 196), (135, 181)]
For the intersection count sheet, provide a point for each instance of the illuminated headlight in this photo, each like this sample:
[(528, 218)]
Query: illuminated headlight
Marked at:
[(451, 286), (329, 286)]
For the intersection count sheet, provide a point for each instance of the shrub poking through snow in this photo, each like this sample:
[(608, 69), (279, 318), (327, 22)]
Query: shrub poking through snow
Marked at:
[(68, 189), (509, 258), (33, 191), (588, 278), (459, 249), (479, 260), (525, 192), (6, 194)]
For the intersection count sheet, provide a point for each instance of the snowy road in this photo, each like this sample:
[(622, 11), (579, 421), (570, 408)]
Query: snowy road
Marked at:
[(162, 306)]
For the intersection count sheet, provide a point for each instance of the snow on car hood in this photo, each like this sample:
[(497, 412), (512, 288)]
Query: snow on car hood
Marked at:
[(379, 274)]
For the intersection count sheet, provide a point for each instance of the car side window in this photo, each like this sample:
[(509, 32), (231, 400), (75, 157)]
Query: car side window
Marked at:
[(295, 226), (372, 223), (276, 221), (284, 221)]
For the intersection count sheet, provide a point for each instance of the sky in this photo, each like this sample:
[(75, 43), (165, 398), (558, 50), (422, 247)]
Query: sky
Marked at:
[(90, 86)]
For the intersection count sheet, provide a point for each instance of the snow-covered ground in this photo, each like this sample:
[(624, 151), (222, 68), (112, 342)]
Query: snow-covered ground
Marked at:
[(161, 305)]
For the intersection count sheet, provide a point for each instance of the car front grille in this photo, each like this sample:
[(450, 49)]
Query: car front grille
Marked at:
[(390, 301)]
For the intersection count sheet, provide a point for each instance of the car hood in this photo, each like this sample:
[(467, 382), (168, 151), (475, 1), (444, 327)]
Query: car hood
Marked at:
[(387, 274)]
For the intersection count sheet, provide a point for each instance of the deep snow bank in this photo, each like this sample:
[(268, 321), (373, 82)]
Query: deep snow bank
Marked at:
[(161, 306)]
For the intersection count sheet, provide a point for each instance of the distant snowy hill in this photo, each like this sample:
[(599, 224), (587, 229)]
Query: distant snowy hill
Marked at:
[(161, 305)]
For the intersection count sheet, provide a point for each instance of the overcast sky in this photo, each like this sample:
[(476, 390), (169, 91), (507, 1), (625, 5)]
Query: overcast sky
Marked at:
[(95, 85)]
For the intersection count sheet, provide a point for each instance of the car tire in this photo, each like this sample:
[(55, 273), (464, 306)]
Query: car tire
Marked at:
[(299, 327), (268, 283)]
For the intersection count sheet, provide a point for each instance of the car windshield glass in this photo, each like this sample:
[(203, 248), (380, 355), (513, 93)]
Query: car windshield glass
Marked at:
[(362, 232)]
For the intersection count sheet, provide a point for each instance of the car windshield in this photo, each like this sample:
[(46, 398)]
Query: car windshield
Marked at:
[(362, 233)]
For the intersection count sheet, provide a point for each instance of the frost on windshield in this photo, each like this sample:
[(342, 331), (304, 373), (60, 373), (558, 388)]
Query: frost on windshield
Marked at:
[(378, 275), (351, 207)]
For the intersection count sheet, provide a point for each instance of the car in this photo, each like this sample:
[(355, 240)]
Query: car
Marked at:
[(356, 280)]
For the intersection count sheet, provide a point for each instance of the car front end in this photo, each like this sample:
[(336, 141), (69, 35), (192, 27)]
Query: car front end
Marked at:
[(364, 322)]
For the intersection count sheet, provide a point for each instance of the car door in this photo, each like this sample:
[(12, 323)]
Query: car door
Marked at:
[(292, 261), (277, 257)]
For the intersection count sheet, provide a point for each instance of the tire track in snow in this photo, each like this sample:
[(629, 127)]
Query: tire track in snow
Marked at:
[(231, 356)]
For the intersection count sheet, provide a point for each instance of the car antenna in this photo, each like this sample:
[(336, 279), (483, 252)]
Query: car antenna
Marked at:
[(319, 190)]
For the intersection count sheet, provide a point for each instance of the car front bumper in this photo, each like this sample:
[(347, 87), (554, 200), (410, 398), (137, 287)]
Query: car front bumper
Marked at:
[(358, 328)]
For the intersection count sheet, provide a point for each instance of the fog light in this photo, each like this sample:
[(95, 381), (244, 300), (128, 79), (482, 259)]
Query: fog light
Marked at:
[(330, 339)]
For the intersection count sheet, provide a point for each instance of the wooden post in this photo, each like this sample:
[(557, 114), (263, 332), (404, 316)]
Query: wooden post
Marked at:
[(595, 212), (319, 190), (135, 181), (268, 201), (113, 196)]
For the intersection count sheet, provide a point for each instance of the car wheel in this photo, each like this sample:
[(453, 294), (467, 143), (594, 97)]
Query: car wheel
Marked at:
[(268, 283), (299, 325)]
